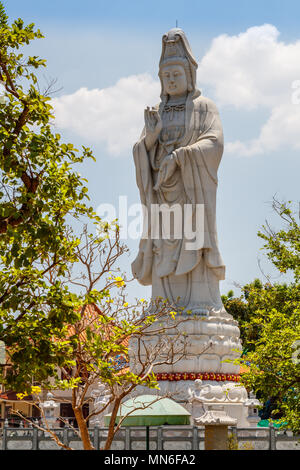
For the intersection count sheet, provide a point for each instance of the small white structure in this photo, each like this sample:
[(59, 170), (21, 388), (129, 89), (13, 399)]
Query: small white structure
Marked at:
[(216, 416), (216, 422), (101, 396), (49, 406), (253, 404)]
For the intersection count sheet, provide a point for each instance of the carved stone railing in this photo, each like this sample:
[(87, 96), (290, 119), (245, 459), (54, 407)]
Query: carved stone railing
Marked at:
[(159, 438)]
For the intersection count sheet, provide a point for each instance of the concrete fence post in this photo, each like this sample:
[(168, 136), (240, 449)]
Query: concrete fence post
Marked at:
[(195, 443), (235, 435), (35, 436), (65, 436), (127, 439), (4, 438), (160, 438), (96, 437), (272, 438)]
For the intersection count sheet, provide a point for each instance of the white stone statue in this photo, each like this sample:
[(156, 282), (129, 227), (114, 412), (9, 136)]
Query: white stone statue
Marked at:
[(177, 159), (194, 394), (194, 398)]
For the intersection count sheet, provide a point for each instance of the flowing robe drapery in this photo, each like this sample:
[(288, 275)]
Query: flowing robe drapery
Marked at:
[(198, 157)]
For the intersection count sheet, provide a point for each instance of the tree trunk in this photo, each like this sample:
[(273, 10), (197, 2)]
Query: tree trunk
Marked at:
[(84, 433), (111, 431)]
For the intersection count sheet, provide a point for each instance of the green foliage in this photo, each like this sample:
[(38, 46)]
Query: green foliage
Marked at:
[(95, 350), (3, 16), (255, 298), (271, 328), (46, 321), (273, 373), (283, 246), (39, 191), (232, 442)]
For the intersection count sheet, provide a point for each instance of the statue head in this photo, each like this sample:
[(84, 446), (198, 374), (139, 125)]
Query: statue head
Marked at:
[(177, 66), (174, 79)]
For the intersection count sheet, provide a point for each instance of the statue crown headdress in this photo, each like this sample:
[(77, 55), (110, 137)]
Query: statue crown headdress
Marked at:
[(173, 47), (176, 49), (175, 44)]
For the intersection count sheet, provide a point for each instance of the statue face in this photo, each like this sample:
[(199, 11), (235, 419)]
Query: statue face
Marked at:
[(174, 80)]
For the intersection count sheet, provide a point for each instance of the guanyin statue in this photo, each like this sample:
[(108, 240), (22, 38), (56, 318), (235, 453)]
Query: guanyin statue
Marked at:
[(177, 159)]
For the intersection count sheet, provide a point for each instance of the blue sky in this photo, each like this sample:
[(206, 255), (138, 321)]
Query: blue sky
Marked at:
[(105, 56), (142, 15)]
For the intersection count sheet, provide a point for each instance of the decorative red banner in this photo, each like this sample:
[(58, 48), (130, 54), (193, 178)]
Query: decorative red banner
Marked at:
[(171, 376)]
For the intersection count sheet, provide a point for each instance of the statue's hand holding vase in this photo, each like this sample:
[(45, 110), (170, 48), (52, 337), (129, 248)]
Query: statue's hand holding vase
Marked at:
[(153, 127)]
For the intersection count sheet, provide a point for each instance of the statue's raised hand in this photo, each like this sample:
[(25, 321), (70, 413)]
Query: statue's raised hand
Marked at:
[(153, 126)]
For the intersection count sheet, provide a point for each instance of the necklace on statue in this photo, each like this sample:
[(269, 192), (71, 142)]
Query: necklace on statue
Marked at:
[(172, 108)]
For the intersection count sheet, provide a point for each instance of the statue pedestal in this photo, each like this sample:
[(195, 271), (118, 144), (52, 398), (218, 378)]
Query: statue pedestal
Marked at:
[(182, 392), (202, 377)]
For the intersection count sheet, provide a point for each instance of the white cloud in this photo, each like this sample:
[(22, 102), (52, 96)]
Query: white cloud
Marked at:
[(254, 70), (250, 71), (280, 131), (113, 116)]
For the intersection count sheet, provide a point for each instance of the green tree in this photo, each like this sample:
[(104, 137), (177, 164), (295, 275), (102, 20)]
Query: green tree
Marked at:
[(101, 334), (40, 190), (44, 297), (272, 329)]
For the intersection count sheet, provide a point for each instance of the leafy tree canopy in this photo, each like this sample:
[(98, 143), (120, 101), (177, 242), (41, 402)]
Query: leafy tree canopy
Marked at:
[(269, 315), (39, 191)]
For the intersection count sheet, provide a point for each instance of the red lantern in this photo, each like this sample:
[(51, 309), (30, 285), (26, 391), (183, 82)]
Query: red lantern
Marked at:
[(223, 377), (212, 376), (218, 377), (192, 376), (205, 376), (199, 376), (177, 376), (171, 377)]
